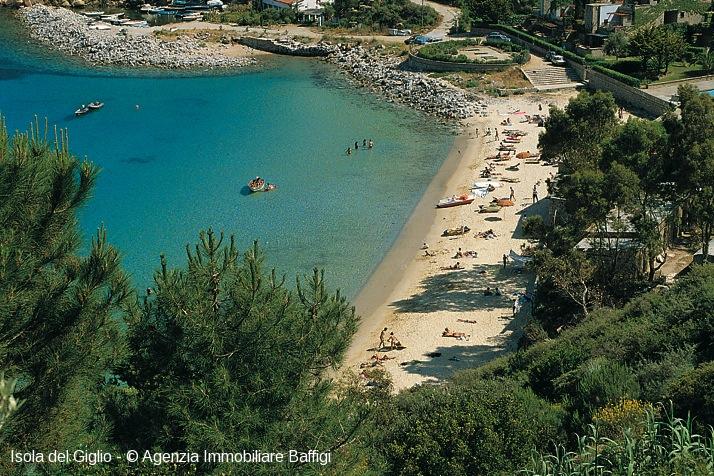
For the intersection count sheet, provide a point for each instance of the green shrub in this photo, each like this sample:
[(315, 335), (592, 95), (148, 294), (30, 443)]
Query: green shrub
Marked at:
[(693, 393), (602, 382), (487, 428), (623, 78), (534, 227)]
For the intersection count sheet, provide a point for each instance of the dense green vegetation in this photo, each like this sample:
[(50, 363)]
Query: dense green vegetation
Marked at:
[(382, 14), (250, 15)]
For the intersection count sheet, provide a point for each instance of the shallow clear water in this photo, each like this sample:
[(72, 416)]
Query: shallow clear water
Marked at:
[(180, 162)]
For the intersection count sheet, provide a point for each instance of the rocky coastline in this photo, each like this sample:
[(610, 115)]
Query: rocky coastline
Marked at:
[(367, 67), (384, 75), (70, 33)]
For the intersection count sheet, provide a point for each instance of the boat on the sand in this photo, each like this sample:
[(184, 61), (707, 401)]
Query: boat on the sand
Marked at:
[(455, 201)]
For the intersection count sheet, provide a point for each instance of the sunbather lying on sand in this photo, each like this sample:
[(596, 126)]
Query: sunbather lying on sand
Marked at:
[(467, 321), (458, 335), (381, 358), (488, 234), (453, 266)]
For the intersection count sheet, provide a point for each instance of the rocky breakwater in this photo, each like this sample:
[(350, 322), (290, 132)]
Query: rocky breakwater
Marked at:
[(72, 34), (382, 73), (288, 46)]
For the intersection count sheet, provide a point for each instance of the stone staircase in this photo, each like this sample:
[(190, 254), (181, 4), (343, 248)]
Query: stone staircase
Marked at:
[(552, 77)]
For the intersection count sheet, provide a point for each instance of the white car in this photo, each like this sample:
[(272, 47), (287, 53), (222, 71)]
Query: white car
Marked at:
[(557, 60)]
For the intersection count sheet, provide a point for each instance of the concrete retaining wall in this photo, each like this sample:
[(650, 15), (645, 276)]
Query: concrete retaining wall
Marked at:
[(416, 63), (292, 49), (627, 94)]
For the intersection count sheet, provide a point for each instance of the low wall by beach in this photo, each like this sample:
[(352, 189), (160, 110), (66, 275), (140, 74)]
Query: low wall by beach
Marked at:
[(636, 97), (287, 46), (417, 63)]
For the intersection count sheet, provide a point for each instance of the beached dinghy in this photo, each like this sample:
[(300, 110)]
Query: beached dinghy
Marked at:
[(455, 201)]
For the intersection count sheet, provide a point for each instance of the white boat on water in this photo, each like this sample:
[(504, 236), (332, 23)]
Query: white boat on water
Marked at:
[(192, 17), (113, 16), (93, 14), (136, 23), (145, 8)]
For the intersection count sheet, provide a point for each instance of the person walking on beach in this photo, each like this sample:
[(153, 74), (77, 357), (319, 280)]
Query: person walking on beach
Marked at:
[(535, 193), (505, 260), (513, 195), (382, 335), (495, 129)]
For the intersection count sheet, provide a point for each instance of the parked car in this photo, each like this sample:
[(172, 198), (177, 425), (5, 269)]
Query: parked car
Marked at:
[(557, 60), (496, 36), (417, 40)]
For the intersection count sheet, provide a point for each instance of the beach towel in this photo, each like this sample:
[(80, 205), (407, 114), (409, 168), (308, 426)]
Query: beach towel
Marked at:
[(504, 202), (487, 183), (479, 192), (518, 260)]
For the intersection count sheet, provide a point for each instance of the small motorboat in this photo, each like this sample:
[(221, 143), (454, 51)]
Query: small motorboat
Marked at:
[(82, 110), (191, 16), (93, 14), (256, 185), (95, 105), (455, 201)]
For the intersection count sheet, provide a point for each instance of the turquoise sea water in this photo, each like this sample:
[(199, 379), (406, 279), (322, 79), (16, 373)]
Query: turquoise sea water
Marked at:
[(180, 162)]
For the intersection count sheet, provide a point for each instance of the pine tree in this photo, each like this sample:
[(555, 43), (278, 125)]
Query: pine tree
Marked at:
[(224, 357), (60, 312)]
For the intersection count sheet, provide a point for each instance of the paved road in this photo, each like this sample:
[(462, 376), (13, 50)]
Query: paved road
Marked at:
[(448, 15)]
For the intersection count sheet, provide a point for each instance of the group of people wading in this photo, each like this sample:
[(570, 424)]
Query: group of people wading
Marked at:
[(366, 144)]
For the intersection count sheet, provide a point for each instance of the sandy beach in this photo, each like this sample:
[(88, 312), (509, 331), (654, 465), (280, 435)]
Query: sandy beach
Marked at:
[(416, 298)]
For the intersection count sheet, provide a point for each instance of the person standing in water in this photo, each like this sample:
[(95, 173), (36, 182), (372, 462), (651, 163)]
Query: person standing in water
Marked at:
[(370, 144), (364, 143), (356, 145), (349, 151)]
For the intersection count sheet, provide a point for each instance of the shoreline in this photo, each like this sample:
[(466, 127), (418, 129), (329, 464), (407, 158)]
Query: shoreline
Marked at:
[(417, 296), (387, 277)]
